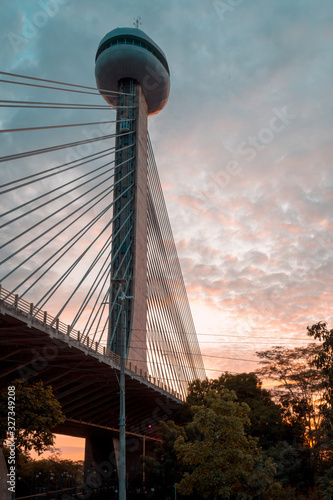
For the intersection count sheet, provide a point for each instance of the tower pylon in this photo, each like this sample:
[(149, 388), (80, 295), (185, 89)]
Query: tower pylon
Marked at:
[(129, 63)]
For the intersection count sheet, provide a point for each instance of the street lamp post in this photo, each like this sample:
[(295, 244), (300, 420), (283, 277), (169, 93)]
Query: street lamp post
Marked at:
[(122, 418)]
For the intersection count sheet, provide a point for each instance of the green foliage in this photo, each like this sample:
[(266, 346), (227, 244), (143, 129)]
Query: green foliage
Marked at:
[(290, 493), (325, 483), (221, 459), (323, 360), (37, 412), (265, 415), (288, 462), (51, 473), (277, 442), (52, 465)]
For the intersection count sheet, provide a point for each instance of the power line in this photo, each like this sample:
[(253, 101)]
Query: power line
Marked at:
[(175, 353), (223, 334), (11, 360)]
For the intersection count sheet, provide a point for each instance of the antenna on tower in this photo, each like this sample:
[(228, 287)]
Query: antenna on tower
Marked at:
[(137, 22)]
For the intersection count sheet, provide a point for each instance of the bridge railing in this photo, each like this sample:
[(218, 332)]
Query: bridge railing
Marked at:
[(33, 312)]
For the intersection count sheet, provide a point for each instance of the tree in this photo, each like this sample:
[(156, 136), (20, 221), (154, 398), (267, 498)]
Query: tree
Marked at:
[(323, 360), (37, 412), (299, 391), (288, 462), (265, 415), (222, 459), (52, 473)]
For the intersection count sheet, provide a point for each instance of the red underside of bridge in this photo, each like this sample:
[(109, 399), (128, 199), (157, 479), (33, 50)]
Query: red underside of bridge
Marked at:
[(84, 383)]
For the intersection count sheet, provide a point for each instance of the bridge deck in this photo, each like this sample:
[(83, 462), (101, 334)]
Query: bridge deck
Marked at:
[(84, 380)]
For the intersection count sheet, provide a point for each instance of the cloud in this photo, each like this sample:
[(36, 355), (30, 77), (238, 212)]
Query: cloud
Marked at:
[(249, 195)]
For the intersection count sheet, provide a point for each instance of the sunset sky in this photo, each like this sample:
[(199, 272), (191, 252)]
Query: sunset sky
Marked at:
[(244, 150)]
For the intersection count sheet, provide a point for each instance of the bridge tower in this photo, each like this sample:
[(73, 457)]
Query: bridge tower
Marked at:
[(135, 70)]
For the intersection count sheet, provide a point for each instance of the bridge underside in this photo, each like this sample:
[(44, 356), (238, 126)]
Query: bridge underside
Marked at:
[(84, 382)]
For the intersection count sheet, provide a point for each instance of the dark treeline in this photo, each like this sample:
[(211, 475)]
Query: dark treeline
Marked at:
[(234, 439)]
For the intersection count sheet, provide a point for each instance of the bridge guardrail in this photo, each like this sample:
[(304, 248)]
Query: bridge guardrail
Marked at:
[(44, 317)]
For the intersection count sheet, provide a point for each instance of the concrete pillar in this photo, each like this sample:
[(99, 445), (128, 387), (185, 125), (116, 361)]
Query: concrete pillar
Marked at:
[(130, 159), (99, 460), (102, 459), (137, 346)]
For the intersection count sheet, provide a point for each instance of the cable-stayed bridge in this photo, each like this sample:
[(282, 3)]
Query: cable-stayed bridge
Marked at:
[(87, 252)]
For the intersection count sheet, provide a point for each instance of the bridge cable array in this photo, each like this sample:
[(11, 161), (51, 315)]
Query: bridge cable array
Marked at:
[(58, 225), (44, 227)]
